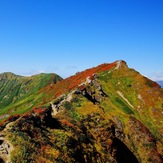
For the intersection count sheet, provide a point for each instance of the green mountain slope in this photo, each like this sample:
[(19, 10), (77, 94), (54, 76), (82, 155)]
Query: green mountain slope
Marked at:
[(18, 90), (109, 113)]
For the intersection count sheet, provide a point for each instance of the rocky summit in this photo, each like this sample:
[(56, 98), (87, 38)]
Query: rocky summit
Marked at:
[(109, 113)]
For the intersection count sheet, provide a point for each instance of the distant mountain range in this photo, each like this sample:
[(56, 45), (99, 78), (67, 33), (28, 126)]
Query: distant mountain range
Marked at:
[(160, 83), (108, 113)]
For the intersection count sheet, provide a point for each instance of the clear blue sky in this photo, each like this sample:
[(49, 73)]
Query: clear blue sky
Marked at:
[(66, 36)]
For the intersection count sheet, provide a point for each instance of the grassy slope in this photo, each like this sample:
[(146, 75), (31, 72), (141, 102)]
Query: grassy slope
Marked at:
[(18, 92), (144, 94), (147, 100)]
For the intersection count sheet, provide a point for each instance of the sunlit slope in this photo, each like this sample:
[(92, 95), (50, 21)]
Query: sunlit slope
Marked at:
[(134, 94), (72, 82), (17, 91)]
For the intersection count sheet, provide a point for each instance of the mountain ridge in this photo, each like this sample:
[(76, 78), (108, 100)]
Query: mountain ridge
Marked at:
[(15, 87), (109, 113)]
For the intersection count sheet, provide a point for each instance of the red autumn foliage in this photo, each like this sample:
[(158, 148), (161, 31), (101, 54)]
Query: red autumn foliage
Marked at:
[(67, 123), (38, 110), (151, 139), (43, 148), (156, 85), (72, 82)]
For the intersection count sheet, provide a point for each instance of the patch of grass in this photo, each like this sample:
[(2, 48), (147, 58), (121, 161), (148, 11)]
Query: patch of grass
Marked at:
[(67, 105), (124, 107)]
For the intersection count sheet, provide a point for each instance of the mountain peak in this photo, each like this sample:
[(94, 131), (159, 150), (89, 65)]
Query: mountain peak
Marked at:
[(120, 64), (8, 75)]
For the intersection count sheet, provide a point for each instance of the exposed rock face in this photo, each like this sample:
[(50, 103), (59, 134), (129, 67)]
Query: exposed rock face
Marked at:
[(92, 90)]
